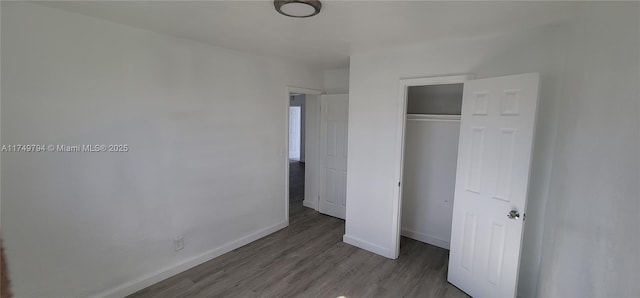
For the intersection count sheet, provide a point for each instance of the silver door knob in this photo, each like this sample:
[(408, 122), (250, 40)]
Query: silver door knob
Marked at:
[(513, 214)]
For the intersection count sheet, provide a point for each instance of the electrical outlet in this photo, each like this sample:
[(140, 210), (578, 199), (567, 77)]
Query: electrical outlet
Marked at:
[(178, 244)]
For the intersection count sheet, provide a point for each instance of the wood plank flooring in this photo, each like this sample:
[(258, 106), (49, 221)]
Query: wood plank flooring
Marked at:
[(309, 259), (296, 181)]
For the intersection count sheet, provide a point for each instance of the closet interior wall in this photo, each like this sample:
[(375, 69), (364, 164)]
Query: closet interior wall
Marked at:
[(432, 131)]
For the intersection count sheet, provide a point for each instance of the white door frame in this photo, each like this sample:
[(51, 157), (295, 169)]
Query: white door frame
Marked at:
[(404, 84), (285, 150)]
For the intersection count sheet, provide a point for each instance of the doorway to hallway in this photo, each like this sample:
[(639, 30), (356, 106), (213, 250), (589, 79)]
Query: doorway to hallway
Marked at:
[(296, 148), (317, 129)]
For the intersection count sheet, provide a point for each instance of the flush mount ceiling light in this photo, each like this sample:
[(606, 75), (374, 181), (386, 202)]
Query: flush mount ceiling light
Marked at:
[(298, 8)]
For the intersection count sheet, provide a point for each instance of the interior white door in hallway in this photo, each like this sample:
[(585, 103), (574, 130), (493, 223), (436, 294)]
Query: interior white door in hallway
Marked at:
[(494, 156), (334, 111), (294, 132)]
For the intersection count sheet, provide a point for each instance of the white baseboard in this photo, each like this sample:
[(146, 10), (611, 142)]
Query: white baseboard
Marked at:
[(425, 238), (310, 204), (150, 279), (374, 248)]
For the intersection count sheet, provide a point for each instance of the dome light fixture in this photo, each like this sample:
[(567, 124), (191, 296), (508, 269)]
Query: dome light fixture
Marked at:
[(298, 8)]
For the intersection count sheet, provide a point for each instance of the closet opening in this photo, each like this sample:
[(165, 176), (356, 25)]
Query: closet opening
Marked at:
[(432, 129), (429, 152)]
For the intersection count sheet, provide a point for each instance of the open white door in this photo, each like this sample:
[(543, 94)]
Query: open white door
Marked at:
[(494, 156), (294, 132), (334, 111)]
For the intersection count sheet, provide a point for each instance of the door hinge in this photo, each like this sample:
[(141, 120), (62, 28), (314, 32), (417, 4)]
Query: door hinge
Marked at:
[(524, 216), (398, 183)]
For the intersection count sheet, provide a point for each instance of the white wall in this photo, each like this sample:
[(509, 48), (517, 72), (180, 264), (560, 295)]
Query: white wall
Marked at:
[(581, 237), (336, 81), (429, 178), (591, 238), (299, 101), (374, 79), (443, 99), (206, 131)]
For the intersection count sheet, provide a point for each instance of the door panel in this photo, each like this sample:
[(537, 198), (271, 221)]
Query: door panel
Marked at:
[(494, 155), (333, 154), (294, 132)]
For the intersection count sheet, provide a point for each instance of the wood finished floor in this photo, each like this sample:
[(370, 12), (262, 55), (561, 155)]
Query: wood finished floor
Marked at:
[(309, 259), (296, 181)]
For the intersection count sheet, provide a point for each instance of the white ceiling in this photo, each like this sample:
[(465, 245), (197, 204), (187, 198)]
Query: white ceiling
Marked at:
[(325, 40)]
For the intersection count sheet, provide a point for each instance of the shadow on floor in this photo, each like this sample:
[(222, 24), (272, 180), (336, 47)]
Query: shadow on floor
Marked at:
[(296, 181)]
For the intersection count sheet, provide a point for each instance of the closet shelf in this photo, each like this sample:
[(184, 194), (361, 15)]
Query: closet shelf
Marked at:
[(432, 117)]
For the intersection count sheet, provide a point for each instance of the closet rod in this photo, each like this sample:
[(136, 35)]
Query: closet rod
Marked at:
[(432, 117)]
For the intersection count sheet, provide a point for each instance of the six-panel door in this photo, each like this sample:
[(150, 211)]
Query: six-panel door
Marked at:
[(494, 155), (334, 111)]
